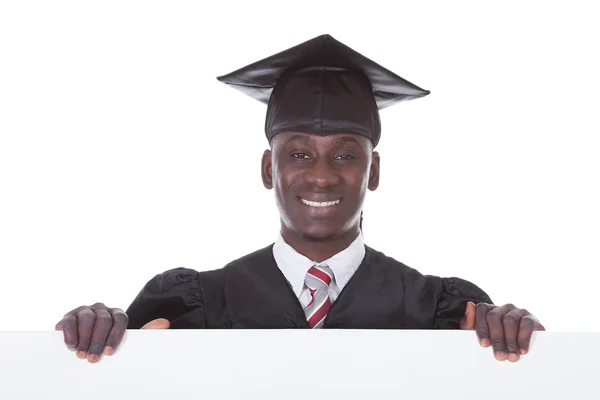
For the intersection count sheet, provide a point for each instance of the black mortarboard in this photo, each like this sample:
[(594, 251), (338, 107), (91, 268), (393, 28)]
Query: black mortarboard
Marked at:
[(322, 87)]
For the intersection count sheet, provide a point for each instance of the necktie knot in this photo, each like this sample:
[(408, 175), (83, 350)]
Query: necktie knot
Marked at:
[(319, 277)]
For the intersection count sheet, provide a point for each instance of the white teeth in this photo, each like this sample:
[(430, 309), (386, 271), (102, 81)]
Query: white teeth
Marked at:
[(320, 204)]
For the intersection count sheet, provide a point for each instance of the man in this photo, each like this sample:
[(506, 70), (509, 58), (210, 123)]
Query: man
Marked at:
[(322, 125)]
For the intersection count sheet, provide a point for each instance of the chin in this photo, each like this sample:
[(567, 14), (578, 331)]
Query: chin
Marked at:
[(319, 233), (318, 238)]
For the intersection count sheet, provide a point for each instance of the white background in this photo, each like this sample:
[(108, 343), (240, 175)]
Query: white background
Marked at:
[(122, 156)]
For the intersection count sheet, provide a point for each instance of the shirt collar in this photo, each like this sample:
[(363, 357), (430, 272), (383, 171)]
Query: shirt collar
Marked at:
[(294, 265)]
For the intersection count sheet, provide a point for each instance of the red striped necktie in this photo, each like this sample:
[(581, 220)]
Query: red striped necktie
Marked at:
[(317, 280)]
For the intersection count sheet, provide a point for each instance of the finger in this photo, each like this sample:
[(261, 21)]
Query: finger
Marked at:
[(540, 327), (481, 326), (468, 321), (68, 324), (85, 327), (528, 324), (120, 321), (60, 324), (102, 327), (496, 327), (69, 327), (511, 322), (159, 323)]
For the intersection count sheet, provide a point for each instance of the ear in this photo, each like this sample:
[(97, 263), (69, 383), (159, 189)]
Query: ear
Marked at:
[(374, 172), (266, 169)]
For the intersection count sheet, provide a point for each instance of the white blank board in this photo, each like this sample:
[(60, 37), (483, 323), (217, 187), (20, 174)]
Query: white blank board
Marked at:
[(281, 364)]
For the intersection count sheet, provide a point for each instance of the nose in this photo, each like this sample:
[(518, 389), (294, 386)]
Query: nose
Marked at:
[(321, 174)]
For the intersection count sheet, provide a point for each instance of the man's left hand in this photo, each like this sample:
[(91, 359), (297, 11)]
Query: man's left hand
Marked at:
[(506, 328)]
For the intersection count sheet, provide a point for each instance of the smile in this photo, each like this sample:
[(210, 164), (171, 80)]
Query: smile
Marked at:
[(320, 203)]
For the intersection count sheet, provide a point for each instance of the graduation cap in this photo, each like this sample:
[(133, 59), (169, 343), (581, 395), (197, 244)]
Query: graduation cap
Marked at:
[(322, 87)]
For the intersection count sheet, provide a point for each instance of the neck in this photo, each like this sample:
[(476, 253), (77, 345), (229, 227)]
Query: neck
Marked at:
[(316, 250)]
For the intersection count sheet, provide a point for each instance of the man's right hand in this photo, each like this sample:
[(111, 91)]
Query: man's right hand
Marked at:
[(95, 330)]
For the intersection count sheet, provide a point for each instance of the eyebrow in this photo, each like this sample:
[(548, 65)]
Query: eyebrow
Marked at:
[(302, 138), (344, 139)]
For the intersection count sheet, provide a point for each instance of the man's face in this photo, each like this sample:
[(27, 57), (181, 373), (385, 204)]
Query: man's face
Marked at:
[(320, 182)]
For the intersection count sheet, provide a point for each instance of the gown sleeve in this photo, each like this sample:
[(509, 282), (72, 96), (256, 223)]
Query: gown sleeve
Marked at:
[(175, 295), (452, 302)]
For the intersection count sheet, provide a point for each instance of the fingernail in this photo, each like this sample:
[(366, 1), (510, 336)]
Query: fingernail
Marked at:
[(500, 355), (72, 348), (485, 342), (82, 354), (108, 351), (513, 357), (523, 351), (93, 358)]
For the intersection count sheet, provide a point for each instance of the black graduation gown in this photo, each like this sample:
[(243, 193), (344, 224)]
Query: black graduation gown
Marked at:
[(252, 292)]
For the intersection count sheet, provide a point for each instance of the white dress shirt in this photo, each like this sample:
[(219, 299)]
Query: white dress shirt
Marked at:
[(294, 267)]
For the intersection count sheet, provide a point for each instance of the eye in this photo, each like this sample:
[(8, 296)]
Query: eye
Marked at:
[(344, 157), (301, 156)]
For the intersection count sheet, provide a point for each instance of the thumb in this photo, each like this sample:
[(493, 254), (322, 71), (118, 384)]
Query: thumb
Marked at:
[(468, 321), (159, 323)]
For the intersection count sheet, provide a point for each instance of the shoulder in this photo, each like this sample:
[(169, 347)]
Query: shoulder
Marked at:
[(380, 260), (413, 282), (411, 277), (181, 278), (258, 256), (242, 265), (173, 279)]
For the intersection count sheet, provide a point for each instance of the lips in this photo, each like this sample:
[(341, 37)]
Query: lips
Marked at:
[(320, 203)]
